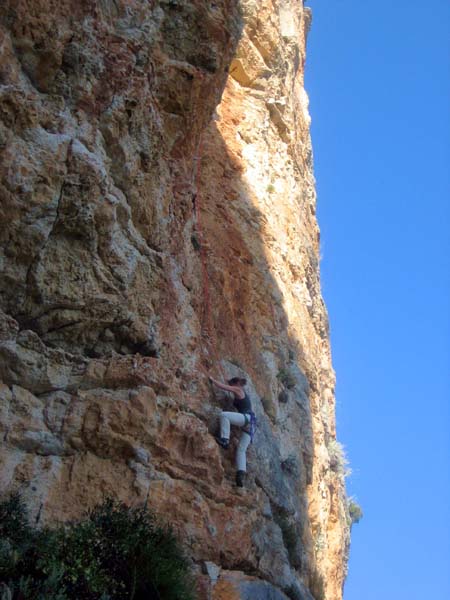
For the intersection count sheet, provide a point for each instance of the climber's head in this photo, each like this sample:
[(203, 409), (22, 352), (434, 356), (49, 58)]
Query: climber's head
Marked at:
[(240, 381)]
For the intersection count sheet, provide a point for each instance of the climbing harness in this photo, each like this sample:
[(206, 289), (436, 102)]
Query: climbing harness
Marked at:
[(250, 425)]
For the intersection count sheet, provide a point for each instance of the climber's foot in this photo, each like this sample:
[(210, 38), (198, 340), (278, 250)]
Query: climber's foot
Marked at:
[(223, 442), (240, 476)]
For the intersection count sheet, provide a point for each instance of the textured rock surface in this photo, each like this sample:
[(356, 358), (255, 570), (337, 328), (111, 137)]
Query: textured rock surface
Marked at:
[(157, 215)]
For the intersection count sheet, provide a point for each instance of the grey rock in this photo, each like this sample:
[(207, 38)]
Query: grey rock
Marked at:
[(40, 442), (260, 590), (283, 396), (267, 466), (56, 407), (291, 466), (273, 557), (141, 455), (212, 570), (31, 368), (5, 592), (298, 591), (8, 327)]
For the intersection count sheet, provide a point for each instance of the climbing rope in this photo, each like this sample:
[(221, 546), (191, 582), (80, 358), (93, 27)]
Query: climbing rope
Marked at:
[(208, 345)]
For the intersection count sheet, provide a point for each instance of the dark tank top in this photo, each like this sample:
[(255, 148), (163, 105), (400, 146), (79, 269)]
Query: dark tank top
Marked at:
[(242, 405)]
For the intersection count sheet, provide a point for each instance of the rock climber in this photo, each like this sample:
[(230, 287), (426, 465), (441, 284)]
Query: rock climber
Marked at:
[(243, 418)]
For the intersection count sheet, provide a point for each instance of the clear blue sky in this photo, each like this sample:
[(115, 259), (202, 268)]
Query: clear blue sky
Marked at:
[(378, 82)]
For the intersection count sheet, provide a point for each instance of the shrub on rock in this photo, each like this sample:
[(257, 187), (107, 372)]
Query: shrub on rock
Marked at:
[(116, 552)]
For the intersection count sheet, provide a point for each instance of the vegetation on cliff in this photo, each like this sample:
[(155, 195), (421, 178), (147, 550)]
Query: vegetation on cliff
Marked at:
[(116, 552)]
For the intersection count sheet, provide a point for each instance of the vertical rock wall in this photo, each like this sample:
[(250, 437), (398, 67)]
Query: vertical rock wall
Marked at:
[(158, 222)]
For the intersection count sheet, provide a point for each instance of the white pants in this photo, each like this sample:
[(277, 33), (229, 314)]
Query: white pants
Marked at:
[(234, 418)]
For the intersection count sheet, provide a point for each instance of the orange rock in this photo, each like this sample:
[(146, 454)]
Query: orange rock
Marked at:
[(158, 212)]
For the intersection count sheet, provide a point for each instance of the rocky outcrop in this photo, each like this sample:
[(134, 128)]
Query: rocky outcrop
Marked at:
[(158, 222)]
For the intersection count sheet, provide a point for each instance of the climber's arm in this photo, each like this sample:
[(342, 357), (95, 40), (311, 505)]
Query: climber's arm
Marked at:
[(228, 388)]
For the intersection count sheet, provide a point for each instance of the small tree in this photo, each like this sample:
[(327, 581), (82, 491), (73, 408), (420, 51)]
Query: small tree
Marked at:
[(116, 552), (355, 513)]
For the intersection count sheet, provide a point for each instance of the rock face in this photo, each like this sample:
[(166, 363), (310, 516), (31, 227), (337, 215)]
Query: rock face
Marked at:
[(157, 223)]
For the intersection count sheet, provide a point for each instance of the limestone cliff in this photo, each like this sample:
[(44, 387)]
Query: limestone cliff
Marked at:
[(158, 222)]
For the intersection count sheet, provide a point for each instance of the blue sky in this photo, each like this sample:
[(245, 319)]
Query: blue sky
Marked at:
[(377, 75)]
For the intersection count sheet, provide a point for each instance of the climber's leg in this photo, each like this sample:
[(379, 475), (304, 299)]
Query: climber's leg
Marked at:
[(241, 461), (227, 419)]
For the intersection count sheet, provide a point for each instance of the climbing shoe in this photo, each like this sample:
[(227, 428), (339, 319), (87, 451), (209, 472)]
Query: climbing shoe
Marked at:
[(240, 475), (223, 442)]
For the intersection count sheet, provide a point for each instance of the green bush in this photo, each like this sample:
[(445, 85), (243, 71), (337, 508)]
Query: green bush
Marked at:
[(116, 552), (338, 459), (355, 513), (287, 378)]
